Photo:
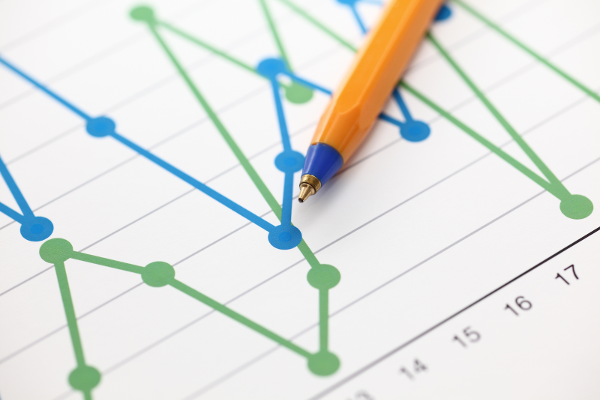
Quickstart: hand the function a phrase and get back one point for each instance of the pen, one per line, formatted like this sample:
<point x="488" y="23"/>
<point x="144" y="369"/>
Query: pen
<point x="365" y="89"/>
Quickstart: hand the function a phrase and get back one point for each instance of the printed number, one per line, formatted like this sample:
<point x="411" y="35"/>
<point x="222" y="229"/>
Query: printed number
<point x="572" y="268"/>
<point x="362" y="395"/>
<point x="417" y="367"/>
<point x="470" y="335"/>
<point x="521" y="303"/>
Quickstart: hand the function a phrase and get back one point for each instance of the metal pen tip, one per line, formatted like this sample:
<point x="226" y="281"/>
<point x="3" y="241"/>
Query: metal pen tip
<point x="306" y="191"/>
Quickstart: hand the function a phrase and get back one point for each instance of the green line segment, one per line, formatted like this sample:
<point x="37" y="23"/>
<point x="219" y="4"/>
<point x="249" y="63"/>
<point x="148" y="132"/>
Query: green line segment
<point x="67" y="301"/>
<point x="572" y="206"/>
<point x="555" y="186"/>
<point x="182" y="287"/>
<point x="274" y="32"/>
<point x="528" y="49"/>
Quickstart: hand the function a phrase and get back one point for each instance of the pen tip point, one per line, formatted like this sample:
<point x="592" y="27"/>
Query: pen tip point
<point x="306" y="191"/>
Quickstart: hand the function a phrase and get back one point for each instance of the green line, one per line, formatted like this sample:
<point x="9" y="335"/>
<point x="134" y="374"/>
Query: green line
<point x="107" y="262"/>
<point x="260" y="185"/>
<point x="214" y="50"/>
<point x="318" y="24"/>
<point x="67" y="300"/>
<point x="554" y="186"/>
<point x="528" y="50"/>
<point x="496" y="150"/>
<point x="237" y="317"/>
<point x="275" y="34"/>
<point x="558" y="189"/>
<point x="256" y="179"/>
<point x="308" y="254"/>
<point x="323" y="319"/>
<point x="207" y="46"/>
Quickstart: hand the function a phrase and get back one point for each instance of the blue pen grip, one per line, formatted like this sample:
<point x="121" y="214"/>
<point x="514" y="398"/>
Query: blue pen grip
<point x="322" y="161"/>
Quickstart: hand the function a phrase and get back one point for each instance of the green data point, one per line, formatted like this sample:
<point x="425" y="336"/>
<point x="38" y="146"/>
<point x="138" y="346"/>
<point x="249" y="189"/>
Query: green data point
<point x="576" y="206"/>
<point x="84" y="378"/>
<point x="323" y="363"/>
<point x="323" y="276"/>
<point x="143" y="13"/>
<point x="56" y="250"/>
<point x="158" y="274"/>
<point x="298" y="94"/>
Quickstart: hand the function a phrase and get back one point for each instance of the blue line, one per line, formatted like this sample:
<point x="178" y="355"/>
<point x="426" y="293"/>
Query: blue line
<point x="14" y="190"/>
<point x="286" y="205"/>
<point x="285" y="136"/>
<point x="402" y="105"/>
<point x="391" y="120"/>
<point x="250" y="216"/>
<point x="357" y="17"/>
<point x="45" y="89"/>
<point x="9" y="212"/>
<point x="168" y="167"/>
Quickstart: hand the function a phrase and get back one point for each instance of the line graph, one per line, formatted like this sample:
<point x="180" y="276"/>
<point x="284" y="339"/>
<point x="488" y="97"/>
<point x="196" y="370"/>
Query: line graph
<point x="284" y="236"/>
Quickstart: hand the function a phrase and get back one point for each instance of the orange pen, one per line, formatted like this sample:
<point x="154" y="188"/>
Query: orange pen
<point x="357" y="103"/>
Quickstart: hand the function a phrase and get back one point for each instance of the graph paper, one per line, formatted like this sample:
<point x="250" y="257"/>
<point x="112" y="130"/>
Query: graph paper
<point x="152" y="246"/>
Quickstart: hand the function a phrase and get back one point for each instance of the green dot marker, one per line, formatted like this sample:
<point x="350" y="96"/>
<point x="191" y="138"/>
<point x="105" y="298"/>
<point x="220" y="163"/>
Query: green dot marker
<point x="56" y="250"/>
<point x="84" y="378"/>
<point x="323" y="276"/>
<point x="576" y="206"/>
<point x="298" y="94"/>
<point x="323" y="363"/>
<point x="158" y="274"/>
<point x="143" y="13"/>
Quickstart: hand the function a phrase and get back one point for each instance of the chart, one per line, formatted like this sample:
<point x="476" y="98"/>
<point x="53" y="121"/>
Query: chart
<point x="153" y="246"/>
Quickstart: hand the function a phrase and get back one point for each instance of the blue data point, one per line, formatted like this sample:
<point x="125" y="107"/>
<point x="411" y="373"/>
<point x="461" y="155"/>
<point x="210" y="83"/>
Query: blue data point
<point x="100" y="126"/>
<point x="444" y="13"/>
<point x="347" y="2"/>
<point x="271" y="67"/>
<point x="285" y="237"/>
<point x="415" y="131"/>
<point x="289" y="161"/>
<point x="36" y="229"/>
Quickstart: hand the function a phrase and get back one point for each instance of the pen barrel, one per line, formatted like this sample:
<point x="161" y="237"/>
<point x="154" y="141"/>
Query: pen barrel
<point x="374" y="74"/>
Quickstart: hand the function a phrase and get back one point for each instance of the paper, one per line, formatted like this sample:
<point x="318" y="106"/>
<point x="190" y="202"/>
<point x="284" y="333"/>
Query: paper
<point x="152" y="246"/>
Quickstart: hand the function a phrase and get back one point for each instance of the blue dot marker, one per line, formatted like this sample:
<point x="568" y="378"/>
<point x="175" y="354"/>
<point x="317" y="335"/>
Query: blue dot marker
<point x="271" y="67"/>
<point x="285" y="237"/>
<point x="100" y="126"/>
<point x="289" y="161"/>
<point x="36" y="229"/>
<point x="414" y="131"/>
<point x="444" y="13"/>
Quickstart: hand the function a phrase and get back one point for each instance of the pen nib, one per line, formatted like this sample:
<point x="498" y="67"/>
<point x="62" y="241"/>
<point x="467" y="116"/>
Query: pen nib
<point x="306" y="191"/>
